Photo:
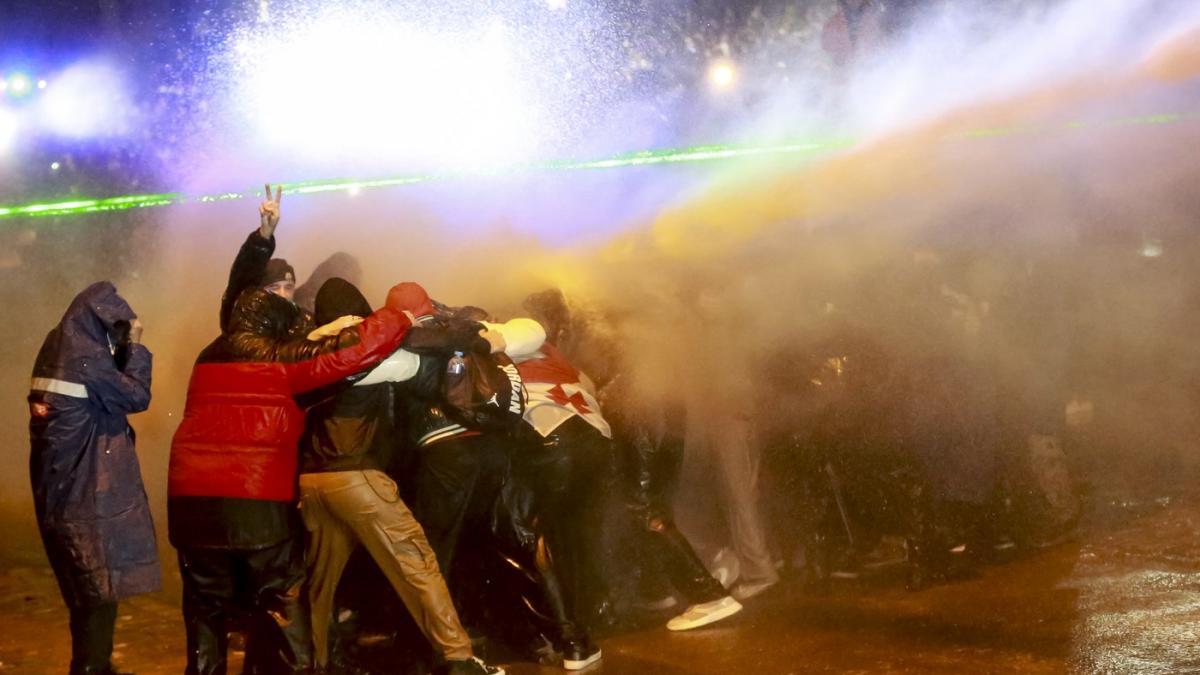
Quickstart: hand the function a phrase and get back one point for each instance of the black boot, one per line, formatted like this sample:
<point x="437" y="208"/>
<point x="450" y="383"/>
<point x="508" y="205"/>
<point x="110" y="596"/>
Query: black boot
<point x="579" y="653"/>
<point x="92" y="638"/>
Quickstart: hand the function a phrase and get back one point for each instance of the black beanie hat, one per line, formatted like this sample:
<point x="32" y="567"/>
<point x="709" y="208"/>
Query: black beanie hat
<point x="277" y="269"/>
<point x="338" y="297"/>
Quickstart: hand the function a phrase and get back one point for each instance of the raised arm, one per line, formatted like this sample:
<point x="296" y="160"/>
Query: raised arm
<point x="378" y="336"/>
<point x="252" y="257"/>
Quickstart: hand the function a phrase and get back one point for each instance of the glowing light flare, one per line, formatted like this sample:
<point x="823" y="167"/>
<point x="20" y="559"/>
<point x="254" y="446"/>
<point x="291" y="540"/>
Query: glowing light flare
<point x="79" y="206"/>
<point x="19" y="84"/>
<point x="384" y="89"/>
<point x="87" y="100"/>
<point x="722" y="74"/>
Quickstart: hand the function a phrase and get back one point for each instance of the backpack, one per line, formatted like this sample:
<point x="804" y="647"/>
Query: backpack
<point x="487" y="395"/>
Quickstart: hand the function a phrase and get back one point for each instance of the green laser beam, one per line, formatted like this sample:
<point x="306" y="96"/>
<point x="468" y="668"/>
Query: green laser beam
<point x="698" y="153"/>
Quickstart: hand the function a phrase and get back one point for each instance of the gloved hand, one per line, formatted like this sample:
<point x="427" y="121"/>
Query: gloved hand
<point x="466" y="337"/>
<point x="334" y="327"/>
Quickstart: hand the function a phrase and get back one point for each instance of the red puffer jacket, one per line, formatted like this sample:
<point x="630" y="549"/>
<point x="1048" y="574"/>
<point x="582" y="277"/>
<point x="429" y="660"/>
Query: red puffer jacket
<point x="241" y="424"/>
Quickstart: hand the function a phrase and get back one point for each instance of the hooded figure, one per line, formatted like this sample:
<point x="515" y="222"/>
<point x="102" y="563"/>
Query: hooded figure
<point x="340" y="265"/>
<point x="87" y="486"/>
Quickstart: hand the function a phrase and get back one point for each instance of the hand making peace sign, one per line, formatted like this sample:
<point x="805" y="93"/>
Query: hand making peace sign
<point x="268" y="211"/>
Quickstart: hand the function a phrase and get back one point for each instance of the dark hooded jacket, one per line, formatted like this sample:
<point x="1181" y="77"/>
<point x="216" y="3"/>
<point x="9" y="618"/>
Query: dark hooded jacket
<point x="233" y="459"/>
<point x="350" y="428"/>
<point x="340" y="265"/>
<point x="87" y="485"/>
<point x="355" y="427"/>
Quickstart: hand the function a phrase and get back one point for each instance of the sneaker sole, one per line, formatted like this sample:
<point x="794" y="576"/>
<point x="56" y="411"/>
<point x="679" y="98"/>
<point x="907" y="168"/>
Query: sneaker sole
<point x="580" y="665"/>
<point x="724" y="613"/>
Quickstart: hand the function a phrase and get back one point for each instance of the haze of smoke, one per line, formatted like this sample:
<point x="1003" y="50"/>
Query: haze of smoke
<point x="1017" y="253"/>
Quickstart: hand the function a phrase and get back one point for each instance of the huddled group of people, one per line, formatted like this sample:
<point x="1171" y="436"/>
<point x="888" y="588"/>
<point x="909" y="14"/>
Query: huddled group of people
<point x="468" y="457"/>
<point x="440" y="481"/>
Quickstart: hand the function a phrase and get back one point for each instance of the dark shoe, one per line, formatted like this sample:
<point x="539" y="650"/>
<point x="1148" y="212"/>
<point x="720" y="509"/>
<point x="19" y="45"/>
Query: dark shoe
<point x="579" y="654"/>
<point x="471" y="666"/>
<point x="542" y="651"/>
<point x="342" y="667"/>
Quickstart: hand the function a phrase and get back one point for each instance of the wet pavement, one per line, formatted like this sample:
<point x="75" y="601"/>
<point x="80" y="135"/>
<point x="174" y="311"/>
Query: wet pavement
<point x="1122" y="599"/>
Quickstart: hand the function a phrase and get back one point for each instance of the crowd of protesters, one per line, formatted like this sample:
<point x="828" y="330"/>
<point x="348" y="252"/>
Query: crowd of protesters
<point x="504" y="495"/>
<point x="821" y="457"/>
<point x="503" y="448"/>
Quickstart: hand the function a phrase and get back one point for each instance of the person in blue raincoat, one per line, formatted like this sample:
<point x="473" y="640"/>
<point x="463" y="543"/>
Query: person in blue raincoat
<point x="91" y="506"/>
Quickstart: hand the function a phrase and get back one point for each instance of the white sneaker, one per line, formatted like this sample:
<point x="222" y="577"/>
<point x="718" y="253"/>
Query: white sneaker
<point x="744" y="591"/>
<point x="705" y="613"/>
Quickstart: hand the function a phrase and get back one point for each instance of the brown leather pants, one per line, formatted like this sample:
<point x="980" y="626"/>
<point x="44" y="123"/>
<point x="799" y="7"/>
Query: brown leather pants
<point x="345" y="508"/>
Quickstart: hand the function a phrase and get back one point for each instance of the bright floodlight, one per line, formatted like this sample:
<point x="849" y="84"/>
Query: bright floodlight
<point x="370" y="87"/>
<point x="41" y="84"/>
<point x="86" y="100"/>
<point x="721" y="74"/>
<point x="18" y="84"/>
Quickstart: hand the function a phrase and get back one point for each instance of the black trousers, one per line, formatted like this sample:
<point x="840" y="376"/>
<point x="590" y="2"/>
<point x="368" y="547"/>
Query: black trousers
<point x="653" y="467"/>
<point x="219" y="584"/>
<point x="554" y="507"/>
<point x="676" y="559"/>
<point x="457" y="484"/>
<point x="92" y="637"/>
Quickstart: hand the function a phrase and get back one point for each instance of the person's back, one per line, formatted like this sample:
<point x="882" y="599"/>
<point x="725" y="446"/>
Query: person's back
<point x="233" y="459"/>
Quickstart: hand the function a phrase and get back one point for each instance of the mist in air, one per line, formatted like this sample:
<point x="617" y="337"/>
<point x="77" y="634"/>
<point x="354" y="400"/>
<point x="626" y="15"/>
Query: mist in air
<point x="1013" y="194"/>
